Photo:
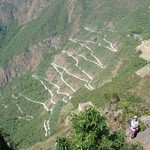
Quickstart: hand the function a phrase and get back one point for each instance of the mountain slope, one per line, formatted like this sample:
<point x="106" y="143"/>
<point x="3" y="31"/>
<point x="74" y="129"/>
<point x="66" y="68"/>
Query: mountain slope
<point x="71" y="51"/>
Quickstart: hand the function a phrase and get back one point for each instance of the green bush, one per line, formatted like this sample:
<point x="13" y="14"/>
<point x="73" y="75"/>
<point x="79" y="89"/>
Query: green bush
<point x="90" y="132"/>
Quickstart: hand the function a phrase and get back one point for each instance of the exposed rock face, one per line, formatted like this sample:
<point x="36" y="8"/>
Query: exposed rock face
<point x="145" y="49"/>
<point x="3" y="77"/>
<point x="29" y="60"/>
<point x="144" y="71"/>
<point x="7" y="14"/>
<point x="143" y="137"/>
<point x="29" y="9"/>
<point x="20" y="64"/>
<point x="145" y="120"/>
<point x="24" y="10"/>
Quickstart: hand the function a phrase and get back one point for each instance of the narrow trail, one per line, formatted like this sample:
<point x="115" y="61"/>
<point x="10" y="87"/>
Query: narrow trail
<point x="111" y="46"/>
<point x="46" y="127"/>
<point x="92" y="30"/>
<point x="36" y="102"/>
<point x="77" y="64"/>
<point x="36" y="77"/>
<point x="91" y="52"/>
<point x="70" y="73"/>
<point x="72" y="40"/>
<point x="89" y="87"/>
<point x="93" y="62"/>
<point x="61" y="76"/>
<point x="19" y="108"/>
<point x="47" y="143"/>
<point x="56" y="86"/>
<point x="17" y="104"/>
<point x="90" y="42"/>
<point x="5" y="106"/>
<point x="81" y="79"/>
<point x="27" y="118"/>
<point x="100" y="64"/>
<point x="14" y="96"/>
<point x="84" y="41"/>
<point x="64" y="100"/>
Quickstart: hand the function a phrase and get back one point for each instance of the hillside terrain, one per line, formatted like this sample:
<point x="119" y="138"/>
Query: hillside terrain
<point x="55" y="54"/>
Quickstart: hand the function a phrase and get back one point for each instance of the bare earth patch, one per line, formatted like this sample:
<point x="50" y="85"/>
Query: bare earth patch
<point x="51" y="73"/>
<point x="114" y="72"/>
<point x="145" y="49"/>
<point x="71" y="5"/>
<point x="144" y="71"/>
<point x="60" y="60"/>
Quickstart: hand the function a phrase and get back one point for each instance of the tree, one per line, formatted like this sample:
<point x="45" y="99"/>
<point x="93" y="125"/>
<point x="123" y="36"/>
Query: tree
<point x="90" y="132"/>
<point x="62" y="143"/>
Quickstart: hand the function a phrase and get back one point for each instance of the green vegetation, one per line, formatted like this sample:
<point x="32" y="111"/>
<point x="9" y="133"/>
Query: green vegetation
<point x="90" y="132"/>
<point x="129" y="110"/>
<point x="117" y="21"/>
<point x="125" y="79"/>
<point x="52" y="22"/>
<point x="2" y="32"/>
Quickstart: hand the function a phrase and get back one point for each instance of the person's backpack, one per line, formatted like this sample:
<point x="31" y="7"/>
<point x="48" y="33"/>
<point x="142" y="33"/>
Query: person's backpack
<point x="129" y="121"/>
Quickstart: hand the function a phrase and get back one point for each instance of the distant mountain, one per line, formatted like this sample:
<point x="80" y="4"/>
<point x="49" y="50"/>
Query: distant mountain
<point x="55" y="54"/>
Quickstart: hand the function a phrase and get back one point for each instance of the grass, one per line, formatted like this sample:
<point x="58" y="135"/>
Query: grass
<point x="32" y="89"/>
<point x="53" y="22"/>
<point x="125" y="79"/>
<point x="49" y="24"/>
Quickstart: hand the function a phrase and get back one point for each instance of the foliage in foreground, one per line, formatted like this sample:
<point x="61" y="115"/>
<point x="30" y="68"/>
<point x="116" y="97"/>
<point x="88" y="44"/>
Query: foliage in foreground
<point x="90" y="132"/>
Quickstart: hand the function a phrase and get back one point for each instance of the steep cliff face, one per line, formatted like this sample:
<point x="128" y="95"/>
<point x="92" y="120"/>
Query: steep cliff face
<point x="23" y="10"/>
<point x="28" y="60"/>
<point x="29" y="10"/>
<point x="20" y="64"/>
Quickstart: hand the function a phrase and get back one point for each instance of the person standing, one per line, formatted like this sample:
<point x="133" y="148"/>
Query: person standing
<point x="134" y="127"/>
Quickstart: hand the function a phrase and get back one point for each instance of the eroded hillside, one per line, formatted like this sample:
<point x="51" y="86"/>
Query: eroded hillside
<point x="22" y="10"/>
<point x="64" y="52"/>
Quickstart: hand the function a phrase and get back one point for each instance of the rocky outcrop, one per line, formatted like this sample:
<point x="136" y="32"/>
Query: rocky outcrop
<point x="20" y="64"/>
<point x="145" y="120"/>
<point x="30" y="9"/>
<point x="3" y="77"/>
<point x="145" y="50"/>
<point x="29" y="60"/>
<point x="143" y="138"/>
<point x="7" y="14"/>
<point x="23" y="10"/>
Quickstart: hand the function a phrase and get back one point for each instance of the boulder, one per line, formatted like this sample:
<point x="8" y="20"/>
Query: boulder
<point x="145" y="120"/>
<point x="144" y="138"/>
